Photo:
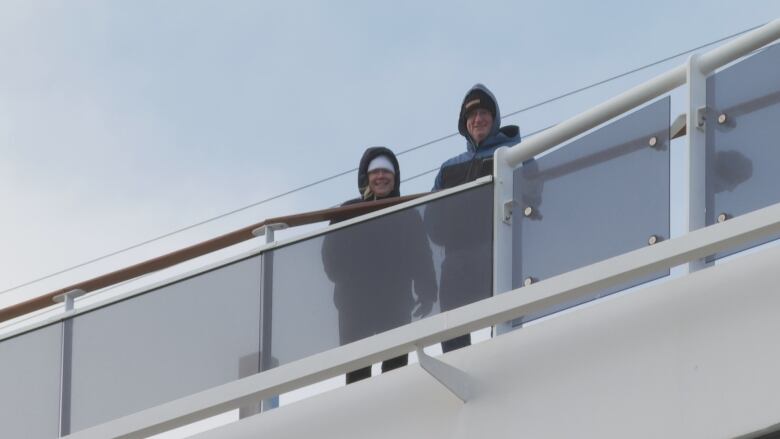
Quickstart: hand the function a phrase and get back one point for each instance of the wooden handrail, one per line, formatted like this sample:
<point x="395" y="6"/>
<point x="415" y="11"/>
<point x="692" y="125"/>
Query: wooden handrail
<point x="200" y="249"/>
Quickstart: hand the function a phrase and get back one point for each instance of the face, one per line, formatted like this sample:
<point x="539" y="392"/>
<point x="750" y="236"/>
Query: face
<point x="478" y="124"/>
<point x="381" y="182"/>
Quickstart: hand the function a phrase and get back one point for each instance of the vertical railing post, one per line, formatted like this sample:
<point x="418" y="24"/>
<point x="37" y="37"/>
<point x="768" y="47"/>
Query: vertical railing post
<point x="503" y="206"/>
<point x="266" y="305"/>
<point x="66" y="360"/>
<point x="695" y="184"/>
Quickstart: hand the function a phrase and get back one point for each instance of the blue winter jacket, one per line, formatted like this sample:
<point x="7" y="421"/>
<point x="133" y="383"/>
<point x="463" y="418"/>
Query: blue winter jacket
<point x="477" y="161"/>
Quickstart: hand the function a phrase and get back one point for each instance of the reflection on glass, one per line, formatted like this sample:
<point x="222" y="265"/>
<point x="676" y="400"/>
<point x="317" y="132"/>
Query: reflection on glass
<point x="165" y="344"/>
<point x="376" y="275"/>
<point x="595" y="198"/>
<point x="743" y="161"/>
<point x="30" y="384"/>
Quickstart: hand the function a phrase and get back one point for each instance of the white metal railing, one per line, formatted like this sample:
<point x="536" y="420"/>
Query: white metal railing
<point x="641" y="94"/>
<point x="690" y="248"/>
<point x="264" y="246"/>
<point x="695" y="71"/>
<point x="537" y="297"/>
<point x="698" y="243"/>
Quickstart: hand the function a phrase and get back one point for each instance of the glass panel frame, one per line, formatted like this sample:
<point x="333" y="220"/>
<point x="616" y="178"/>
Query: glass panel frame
<point x="30" y="372"/>
<point x="599" y="196"/>
<point x="742" y="162"/>
<point x="167" y="343"/>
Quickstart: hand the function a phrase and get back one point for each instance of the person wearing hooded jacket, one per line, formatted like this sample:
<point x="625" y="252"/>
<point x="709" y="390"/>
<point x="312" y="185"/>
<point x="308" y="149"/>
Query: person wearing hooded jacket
<point x="382" y="269"/>
<point x="479" y="122"/>
<point x="466" y="272"/>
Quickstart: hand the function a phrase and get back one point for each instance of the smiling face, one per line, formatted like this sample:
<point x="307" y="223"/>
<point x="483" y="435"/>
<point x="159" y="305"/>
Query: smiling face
<point x="381" y="182"/>
<point x="478" y="124"/>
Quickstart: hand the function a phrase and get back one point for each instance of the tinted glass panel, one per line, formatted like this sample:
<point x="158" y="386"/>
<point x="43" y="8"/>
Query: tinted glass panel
<point x="30" y="384"/>
<point x="594" y="198"/>
<point x="743" y="160"/>
<point x="380" y="274"/>
<point x="168" y="343"/>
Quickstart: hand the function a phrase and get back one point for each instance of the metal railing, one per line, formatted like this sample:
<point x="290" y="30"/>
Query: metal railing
<point x="194" y="251"/>
<point x="68" y="321"/>
<point x="694" y="72"/>
<point x="417" y="335"/>
<point x="506" y="304"/>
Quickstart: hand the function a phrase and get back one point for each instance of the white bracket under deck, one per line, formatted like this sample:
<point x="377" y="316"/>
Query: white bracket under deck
<point x="454" y="379"/>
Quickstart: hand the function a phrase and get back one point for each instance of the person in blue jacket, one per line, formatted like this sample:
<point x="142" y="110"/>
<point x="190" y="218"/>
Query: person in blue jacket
<point x="466" y="272"/>
<point x="480" y="123"/>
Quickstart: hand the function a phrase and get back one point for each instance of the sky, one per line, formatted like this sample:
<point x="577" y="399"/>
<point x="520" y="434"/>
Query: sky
<point x="124" y="121"/>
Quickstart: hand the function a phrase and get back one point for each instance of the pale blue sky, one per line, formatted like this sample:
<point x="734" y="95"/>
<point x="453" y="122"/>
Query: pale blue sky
<point x="122" y="121"/>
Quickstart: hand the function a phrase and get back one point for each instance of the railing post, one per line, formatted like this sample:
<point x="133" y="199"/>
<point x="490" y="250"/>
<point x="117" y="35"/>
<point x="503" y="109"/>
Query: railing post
<point x="268" y="231"/>
<point x="503" y="206"/>
<point x="69" y="298"/>
<point x="695" y="184"/>
<point x="266" y="305"/>
<point x="66" y="359"/>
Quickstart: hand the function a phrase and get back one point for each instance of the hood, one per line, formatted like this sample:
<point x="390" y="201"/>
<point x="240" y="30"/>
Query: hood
<point x="369" y="155"/>
<point x="462" y="117"/>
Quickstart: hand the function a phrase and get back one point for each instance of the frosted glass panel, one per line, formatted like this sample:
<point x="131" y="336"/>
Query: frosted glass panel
<point x="743" y="160"/>
<point x="30" y="384"/>
<point x="171" y="342"/>
<point x="595" y="198"/>
<point x="379" y="274"/>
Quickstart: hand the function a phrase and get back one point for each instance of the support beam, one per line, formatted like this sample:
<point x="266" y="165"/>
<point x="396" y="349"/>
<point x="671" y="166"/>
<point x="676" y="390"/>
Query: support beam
<point x="455" y="380"/>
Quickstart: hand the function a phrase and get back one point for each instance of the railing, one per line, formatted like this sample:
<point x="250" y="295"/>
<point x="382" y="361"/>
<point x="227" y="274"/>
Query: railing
<point x="200" y="249"/>
<point x="237" y="317"/>
<point x="694" y="73"/>
<point x="568" y="287"/>
<point x="572" y="225"/>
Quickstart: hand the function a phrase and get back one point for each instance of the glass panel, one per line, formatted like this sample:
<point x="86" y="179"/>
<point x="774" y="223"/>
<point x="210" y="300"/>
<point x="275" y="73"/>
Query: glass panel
<point x="171" y="342"/>
<point x="30" y="384"/>
<point x="597" y="197"/>
<point x="380" y="274"/>
<point x="743" y="161"/>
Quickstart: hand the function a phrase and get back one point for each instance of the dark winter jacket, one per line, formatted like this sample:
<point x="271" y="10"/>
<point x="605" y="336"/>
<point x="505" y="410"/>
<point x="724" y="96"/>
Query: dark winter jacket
<point x="466" y="272"/>
<point x="477" y="161"/>
<point x="380" y="268"/>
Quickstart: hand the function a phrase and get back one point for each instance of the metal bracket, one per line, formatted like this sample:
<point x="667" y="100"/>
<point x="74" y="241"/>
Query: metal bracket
<point x="701" y="118"/>
<point x="455" y="380"/>
<point x="68" y="298"/>
<point x="268" y="231"/>
<point x="508" y="210"/>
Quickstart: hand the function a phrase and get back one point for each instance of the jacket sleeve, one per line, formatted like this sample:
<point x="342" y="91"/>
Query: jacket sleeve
<point x="334" y="250"/>
<point x="437" y="183"/>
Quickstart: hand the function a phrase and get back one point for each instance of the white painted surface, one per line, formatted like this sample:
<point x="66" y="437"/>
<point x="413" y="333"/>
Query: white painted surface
<point x="696" y="357"/>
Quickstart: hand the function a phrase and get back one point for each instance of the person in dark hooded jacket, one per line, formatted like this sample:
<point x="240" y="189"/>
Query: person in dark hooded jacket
<point x="381" y="268"/>
<point x="466" y="272"/>
<point x="479" y="122"/>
